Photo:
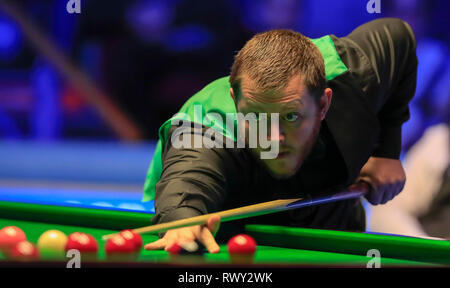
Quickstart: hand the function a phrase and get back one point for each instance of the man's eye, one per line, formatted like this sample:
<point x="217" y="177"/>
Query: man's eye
<point x="291" y="117"/>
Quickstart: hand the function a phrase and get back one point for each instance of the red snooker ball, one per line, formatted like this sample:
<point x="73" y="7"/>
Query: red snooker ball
<point x="187" y="252"/>
<point x="186" y="248"/>
<point x="24" y="251"/>
<point x="175" y="249"/>
<point x="120" y="249"/>
<point x="136" y="238"/>
<point x="241" y="248"/>
<point x="9" y="236"/>
<point x="86" y="244"/>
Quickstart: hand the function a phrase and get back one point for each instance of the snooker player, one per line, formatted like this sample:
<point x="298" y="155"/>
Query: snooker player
<point x="341" y="104"/>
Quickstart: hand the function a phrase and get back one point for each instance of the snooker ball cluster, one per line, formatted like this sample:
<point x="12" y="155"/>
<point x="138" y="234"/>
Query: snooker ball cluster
<point x="51" y="245"/>
<point x="14" y="244"/>
<point x="125" y="246"/>
<point x="9" y="236"/>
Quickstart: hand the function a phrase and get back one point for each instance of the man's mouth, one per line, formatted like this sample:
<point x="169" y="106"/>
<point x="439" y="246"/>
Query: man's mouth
<point x="283" y="154"/>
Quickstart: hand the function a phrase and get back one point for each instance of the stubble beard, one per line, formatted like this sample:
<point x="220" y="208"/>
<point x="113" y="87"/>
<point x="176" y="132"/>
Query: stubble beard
<point x="302" y="157"/>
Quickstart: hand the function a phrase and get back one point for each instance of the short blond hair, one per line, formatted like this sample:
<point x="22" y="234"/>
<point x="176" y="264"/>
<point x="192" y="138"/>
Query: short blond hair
<point x="272" y="58"/>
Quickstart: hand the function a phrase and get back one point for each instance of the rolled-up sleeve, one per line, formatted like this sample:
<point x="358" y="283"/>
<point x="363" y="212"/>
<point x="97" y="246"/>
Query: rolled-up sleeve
<point x="193" y="182"/>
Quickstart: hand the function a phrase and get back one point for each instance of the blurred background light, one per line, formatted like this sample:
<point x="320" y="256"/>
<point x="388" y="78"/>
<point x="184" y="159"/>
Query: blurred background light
<point x="151" y="19"/>
<point x="188" y="38"/>
<point x="262" y="15"/>
<point x="46" y="118"/>
<point x="10" y="39"/>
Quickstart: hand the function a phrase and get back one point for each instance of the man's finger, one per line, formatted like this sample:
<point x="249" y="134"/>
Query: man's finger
<point x="207" y="239"/>
<point x="378" y="195"/>
<point x="375" y="194"/>
<point x="171" y="238"/>
<point x="400" y="187"/>
<point x="157" y="245"/>
<point x="387" y="196"/>
<point x="394" y="190"/>
<point x="185" y="239"/>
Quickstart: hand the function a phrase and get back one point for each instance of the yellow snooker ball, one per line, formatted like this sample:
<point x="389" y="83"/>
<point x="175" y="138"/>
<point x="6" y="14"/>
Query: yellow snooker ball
<point x="52" y="244"/>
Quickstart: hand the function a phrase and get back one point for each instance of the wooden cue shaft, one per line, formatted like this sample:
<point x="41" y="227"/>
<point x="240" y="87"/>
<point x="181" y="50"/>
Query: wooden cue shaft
<point x="227" y="215"/>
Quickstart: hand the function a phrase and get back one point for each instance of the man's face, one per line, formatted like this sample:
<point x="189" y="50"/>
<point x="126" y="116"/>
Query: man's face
<point x="299" y="122"/>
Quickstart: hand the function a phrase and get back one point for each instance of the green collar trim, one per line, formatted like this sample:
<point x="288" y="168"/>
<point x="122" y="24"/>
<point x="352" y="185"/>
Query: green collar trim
<point x="333" y="63"/>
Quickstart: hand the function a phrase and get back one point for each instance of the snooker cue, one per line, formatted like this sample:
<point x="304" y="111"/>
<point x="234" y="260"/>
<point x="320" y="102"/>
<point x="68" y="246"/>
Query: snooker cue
<point x="353" y="191"/>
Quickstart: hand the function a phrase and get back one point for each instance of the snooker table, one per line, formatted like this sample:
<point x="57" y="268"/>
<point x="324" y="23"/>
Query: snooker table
<point x="277" y="246"/>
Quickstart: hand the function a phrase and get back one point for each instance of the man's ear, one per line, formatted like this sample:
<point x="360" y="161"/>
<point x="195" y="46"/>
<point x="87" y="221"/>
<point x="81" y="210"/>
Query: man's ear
<point x="325" y="102"/>
<point x="232" y="94"/>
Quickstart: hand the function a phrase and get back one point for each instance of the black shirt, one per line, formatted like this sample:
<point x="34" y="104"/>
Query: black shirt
<point x="226" y="178"/>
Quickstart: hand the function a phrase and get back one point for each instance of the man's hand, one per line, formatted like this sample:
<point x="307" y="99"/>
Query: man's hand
<point x="204" y="234"/>
<point x="386" y="176"/>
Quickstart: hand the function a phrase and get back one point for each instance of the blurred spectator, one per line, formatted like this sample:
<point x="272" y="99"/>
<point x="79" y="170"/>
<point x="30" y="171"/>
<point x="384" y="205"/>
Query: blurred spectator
<point x="422" y="209"/>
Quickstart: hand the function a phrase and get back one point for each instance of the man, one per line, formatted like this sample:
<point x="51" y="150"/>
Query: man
<point x="341" y="103"/>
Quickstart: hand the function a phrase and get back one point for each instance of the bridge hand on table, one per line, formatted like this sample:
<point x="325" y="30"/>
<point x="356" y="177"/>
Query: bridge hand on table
<point x="202" y="233"/>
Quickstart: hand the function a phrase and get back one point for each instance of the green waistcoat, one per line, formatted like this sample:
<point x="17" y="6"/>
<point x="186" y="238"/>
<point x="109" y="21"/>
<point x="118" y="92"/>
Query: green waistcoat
<point x="215" y="98"/>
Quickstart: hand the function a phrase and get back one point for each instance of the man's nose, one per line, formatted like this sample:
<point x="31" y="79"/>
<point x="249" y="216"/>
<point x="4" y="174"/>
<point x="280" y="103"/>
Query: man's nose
<point x="276" y="133"/>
